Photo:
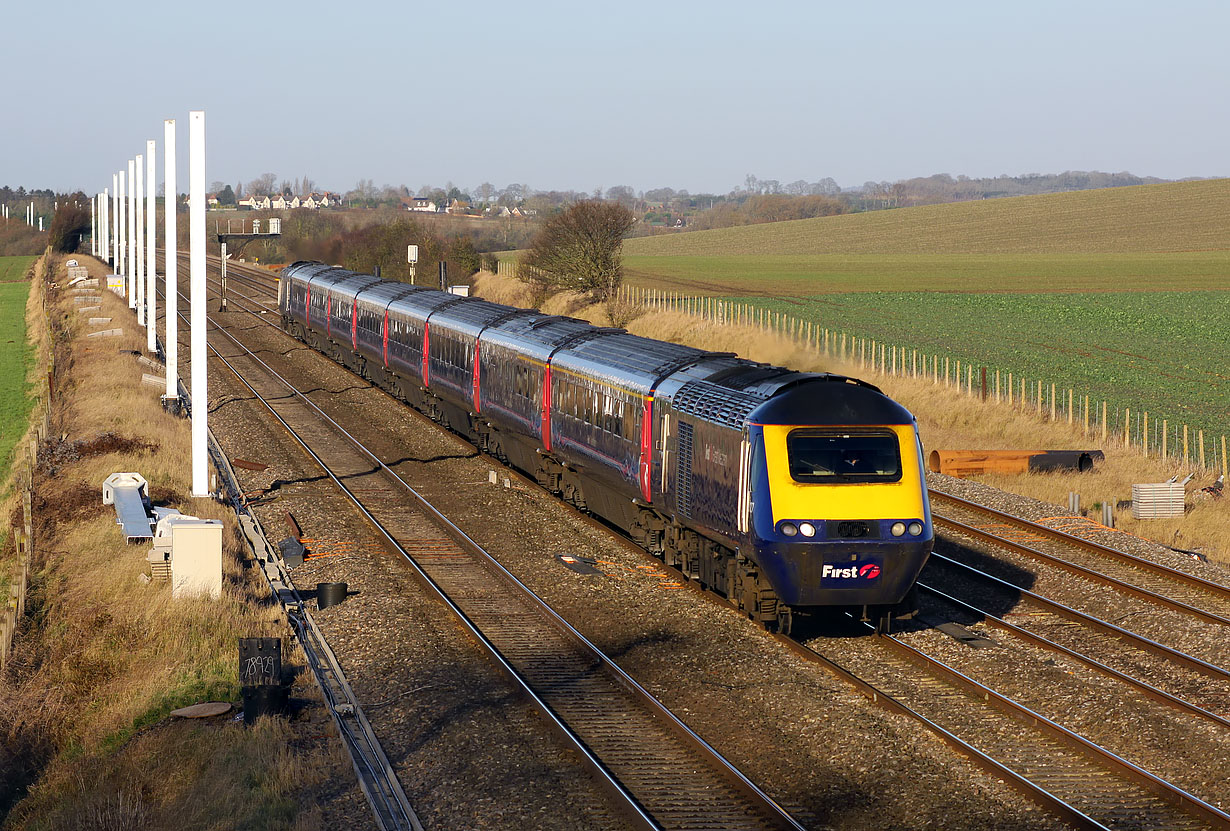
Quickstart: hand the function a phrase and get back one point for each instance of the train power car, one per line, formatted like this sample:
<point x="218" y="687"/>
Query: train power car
<point x="783" y="491"/>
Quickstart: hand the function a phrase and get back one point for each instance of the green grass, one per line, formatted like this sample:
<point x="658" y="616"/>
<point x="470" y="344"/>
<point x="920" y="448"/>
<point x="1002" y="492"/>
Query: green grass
<point x="14" y="268"/>
<point x="15" y="357"/>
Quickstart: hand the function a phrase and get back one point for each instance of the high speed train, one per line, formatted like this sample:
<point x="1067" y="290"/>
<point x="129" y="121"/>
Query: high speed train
<point x="780" y="490"/>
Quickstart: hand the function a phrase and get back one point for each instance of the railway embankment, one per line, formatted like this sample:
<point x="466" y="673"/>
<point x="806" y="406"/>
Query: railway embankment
<point x="101" y="654"/>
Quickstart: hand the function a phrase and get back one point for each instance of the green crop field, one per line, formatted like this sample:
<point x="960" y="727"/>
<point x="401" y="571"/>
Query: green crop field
<point x="14" y="268"/>
<point x="15" y="356"/>
<point x="1122" y="294"/>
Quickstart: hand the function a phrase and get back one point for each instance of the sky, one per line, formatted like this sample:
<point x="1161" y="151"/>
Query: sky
<point x="578" y="96"/>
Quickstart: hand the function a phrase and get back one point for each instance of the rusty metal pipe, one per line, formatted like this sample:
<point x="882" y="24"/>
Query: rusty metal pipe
<point x="970" y="462"/>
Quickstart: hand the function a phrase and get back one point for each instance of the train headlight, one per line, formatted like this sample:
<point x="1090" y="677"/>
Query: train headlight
<point x="789" y="529"/>
<point x="807" y="529"/>
<point x="898" y="529"/>
<point x="916" y="528"/>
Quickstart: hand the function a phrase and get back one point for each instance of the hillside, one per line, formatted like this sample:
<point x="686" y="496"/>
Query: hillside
<point x="1174" y="217"/>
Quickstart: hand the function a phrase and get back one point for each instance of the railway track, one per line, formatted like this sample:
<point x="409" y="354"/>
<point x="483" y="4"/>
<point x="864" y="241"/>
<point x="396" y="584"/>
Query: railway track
<point x="631" y="741"/>
<point x="1078" y="780"/>
<point x="1086" y="784"/>
<point x="1177" y="590"/>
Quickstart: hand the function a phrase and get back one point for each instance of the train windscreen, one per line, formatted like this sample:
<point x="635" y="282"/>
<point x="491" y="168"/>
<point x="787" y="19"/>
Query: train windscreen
<point x="832" y="456"/>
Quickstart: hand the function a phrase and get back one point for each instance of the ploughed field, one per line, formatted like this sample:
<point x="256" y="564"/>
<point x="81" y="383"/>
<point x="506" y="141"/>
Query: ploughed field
<point x="1121" y="294"/>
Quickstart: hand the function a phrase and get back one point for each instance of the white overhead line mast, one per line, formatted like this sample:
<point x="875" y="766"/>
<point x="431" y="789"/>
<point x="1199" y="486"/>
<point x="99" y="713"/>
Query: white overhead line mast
<point x="196" y="259"/>
<point x="170" y="201"/>
<point x="151" y="276"/>
<point x="138" y="194"/>
<point x="115" y="223"/>
<point x="130" y="244"/>
<point x="93" y="231"/>
<point x="122" y="231"/>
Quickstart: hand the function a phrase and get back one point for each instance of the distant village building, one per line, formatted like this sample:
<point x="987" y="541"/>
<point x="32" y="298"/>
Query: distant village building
<point x="423" y="205"/>
<point x="281" y="201"/>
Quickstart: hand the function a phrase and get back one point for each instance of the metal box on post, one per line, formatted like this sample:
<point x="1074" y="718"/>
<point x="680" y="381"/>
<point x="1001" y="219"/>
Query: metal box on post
<point x="196" y="558"/>
<point x="260" y="678"/>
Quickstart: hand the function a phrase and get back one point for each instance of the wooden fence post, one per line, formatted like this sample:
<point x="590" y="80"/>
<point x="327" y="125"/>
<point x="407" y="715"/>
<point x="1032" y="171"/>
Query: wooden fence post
<point x="1186" y="456"/>
<point x="1200" y="446"/>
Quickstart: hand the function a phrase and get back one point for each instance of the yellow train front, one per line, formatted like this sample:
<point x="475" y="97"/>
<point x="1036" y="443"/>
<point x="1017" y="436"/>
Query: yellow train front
<point x="840" y="515"/>
<point x="815" y="481"/>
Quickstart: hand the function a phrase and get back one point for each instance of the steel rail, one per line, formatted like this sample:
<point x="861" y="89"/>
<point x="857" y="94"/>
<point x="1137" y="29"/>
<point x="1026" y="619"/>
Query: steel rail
<point x="780" y="817"/>
<point x="1164" y="790"/>
<point x="1083" y="571"/>
<point x="1149" y="691"/>
<point x="1158" y="569"/>
<point x="1061" y="610"/>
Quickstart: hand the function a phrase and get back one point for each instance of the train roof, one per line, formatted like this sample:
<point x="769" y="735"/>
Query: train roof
<point x="831" y="400"/>
<point x="385" y="292"/>
<point x="351" y="285"/>
<point x="539" y="335"/>
<point x="628" y="361"/>
<point x="473" y="316"/>
<point x="419" y="305"/>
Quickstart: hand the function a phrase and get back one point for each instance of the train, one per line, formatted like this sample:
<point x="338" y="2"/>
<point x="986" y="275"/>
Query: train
<point x="783" y="491"/>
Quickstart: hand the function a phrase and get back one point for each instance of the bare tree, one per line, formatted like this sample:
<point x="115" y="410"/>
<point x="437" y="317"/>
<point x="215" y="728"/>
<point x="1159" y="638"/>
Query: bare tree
<point x="263" y="185"/>
<point x="578" y="250"/>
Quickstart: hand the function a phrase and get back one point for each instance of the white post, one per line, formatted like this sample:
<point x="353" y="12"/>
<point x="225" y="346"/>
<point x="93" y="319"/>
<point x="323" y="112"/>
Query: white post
<point x="130" y="234"/>
<point x="196" y="260"/>
<point x="115" y="222"/>
<point x="106" y="224"/>
<point x="151" y="275"/>
<point x="171" y="305"/>
<point x="93" y="232"/>
<point x="138" y="195"/>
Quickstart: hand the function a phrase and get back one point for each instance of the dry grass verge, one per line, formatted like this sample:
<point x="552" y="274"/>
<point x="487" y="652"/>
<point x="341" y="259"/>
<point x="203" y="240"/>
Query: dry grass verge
<point x="947" y="419"/>
<point x="105" y="655"/>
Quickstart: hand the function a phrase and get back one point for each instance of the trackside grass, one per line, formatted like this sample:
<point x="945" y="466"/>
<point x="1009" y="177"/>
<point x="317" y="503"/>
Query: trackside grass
<point x="103" y="654"/>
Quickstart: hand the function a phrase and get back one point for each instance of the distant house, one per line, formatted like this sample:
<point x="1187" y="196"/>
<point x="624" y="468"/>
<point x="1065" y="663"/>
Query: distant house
<point x="458" y="207"/>
<point x="211" y="200"/>
<point x="278" y="202"/>
<point x="255" y="203"/>
<point x="294" y="202"/>
<point x="328" y="199"/>
<point x="499" y="211"/>
<point x="423" y="205"/>
<point x="309" y="202"/>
